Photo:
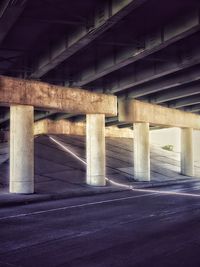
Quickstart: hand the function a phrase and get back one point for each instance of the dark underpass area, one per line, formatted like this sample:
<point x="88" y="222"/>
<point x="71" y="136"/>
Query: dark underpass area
<point x="62" y="171"/>
<point x="104" y="230"/>
<point x="156" y="224"/>
<point x="99" y="133"/>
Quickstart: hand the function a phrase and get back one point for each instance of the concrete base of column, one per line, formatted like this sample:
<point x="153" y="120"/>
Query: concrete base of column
<point x="187" y="157"/>
<point x="95" y="146"/>
<point x="21" y="149"/>
<point x="141" y="152"/>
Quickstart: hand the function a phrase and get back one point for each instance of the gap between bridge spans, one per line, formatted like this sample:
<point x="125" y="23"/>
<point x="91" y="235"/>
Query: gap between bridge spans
<point x="128" y="187"/>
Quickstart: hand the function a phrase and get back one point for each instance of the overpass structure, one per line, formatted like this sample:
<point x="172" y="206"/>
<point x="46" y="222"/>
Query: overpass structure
<point x="125" y="63"/>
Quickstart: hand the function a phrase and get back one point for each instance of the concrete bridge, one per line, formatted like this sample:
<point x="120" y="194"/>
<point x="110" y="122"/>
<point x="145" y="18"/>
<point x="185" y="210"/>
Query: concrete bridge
<point x="83" y="74"/>
<point x="88" y="72"/>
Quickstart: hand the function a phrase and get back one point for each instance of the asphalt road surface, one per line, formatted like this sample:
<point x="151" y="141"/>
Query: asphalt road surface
<point x="130" y="228"/>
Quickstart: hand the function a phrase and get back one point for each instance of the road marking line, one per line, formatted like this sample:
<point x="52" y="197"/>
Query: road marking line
<point x="82" y="161"/>
<point x="130" y="187"/>
<point x="75" y="206"/>
<point x="166" y="192"/>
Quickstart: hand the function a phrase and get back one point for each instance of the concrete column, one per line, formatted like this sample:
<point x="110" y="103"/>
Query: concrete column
<point x="187" y="157"/>
<point x="95" y="146"/>
<point x="141" y="151"/>
<point x="21" y="149"/>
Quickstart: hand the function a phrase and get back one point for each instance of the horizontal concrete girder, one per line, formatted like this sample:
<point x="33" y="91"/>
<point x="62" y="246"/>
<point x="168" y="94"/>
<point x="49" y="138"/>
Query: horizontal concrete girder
<point x="51" y="97"/>
<point x="59" y="127"/>
<point x="75" y="128"/>
<point x="138" y="111"/>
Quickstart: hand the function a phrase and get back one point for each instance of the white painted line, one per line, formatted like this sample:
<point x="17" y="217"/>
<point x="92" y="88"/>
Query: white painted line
<point x="67" y="149"/>
<point x="74" y="206"/>
<point x="166" y="192"/>
<point x="85" y="163"/>
<point x="124" y="185"/>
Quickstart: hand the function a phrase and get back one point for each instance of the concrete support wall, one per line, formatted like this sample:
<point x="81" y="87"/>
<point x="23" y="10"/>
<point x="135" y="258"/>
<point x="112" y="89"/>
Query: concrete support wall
<point x="95" y="146"/>
<point x="66" y="127"/>
<point x="187" y="157"/>
<point x="21" y="149"/>
<point x="141" y="151"/>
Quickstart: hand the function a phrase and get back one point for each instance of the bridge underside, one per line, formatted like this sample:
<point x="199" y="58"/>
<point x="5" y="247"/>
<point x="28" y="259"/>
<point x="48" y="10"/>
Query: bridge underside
<point x="100" y="101"/>
<point x="76" y="44"/>
<point x="64" y="65"/>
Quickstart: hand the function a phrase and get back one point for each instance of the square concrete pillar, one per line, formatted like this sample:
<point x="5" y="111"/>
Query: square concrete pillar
<point x="187" y="153"/>
<point x="141" y="151"/>
<point x="21" y="149"/>
<point x="95" y="146"/>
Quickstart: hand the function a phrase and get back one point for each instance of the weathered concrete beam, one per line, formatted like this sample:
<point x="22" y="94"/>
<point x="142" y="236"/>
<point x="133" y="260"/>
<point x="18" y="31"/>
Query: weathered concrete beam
<point x="52" y="97"/>
<point x="112" y="12"/>
<point x="75" y="128"/>
<point x="177" y="93"/>
<point x="168" y="82"/>
<point x="114" y="131"/>
<point x="37" y="116"/>
<point x="59" y="127"/>
<point x="185" y="25"/>
<point x="137" y="111"/>
<point x="147" y="71"/>
<point x="187" y="101"/>
<point x="145" y="79"/>
<point x="193" y="108"/>
<point x="9" y="14"/>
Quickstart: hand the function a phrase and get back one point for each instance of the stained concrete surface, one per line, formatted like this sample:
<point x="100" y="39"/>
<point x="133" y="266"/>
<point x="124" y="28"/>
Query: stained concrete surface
<point x="56" y="171"/>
